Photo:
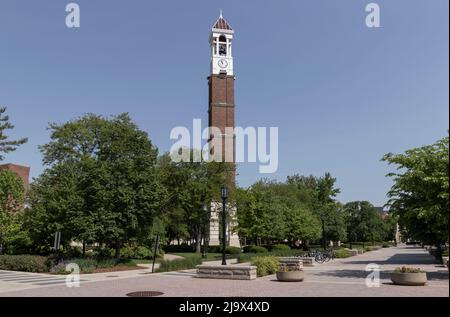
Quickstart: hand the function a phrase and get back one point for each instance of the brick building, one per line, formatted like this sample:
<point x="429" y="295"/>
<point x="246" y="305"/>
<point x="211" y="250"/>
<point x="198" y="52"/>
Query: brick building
<point x="22" y="171"/>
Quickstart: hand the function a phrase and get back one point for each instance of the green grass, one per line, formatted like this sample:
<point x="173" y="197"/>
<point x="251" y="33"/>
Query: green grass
<point x="186" y="263"/>
<point x="209" y="256"/>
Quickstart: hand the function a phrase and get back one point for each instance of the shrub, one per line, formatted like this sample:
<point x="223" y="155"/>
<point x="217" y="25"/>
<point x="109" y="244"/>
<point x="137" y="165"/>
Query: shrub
<point x="174" y="248"/>
<point x="25" y="263"/>
<point x="247" y="257"/>
<point x="266" y="265"/>
<point x="136" y="252"/>
<point x="342" y="253"/>
<point x="214" y="249"/>
<point x="232" y="250"/>
<point x="73" y="252"/>
<point x="280" y="247"/>
<point x="88" y="265"/>
<point x="179" y="264"/>
<point x="103" y="252"/>
<point x="254" y="249"/>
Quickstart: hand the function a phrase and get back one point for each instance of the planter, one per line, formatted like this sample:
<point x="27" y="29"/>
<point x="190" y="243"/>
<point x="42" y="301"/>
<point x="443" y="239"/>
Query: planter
<point x="412" y="279"/>
<point x="291" y="276"/>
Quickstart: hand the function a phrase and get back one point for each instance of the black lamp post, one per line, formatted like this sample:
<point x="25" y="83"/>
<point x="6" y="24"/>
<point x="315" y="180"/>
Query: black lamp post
<point x="224" y="195"/>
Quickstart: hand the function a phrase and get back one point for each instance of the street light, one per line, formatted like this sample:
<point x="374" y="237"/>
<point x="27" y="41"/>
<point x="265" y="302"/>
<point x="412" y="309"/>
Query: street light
<point x="224" y="195"/>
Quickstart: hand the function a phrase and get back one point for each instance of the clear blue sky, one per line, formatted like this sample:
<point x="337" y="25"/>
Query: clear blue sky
<point x="341" y="94"/>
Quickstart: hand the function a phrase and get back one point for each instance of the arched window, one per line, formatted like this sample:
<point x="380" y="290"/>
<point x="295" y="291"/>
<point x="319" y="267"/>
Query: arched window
<point x="222" y="45"/>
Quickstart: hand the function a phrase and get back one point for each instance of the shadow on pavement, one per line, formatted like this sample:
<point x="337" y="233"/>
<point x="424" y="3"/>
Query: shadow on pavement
<point x="402" y="259"/>
<point x="440" y="275"/>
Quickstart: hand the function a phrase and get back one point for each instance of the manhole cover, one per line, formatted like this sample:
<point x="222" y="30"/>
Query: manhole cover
<point x="112" y="276"/>
<point x="145" y="294"/>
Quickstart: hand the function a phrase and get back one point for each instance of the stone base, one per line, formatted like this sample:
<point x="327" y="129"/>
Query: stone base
<point x="291" y="263"/>
<point x="307" y="261"/>
<point x="353" y="252"/>
<point x="229" y="272"/>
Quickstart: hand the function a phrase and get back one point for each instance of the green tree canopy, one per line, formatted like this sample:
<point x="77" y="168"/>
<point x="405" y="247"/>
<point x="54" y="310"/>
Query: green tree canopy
<point x="420" y="194"/>
<point x="101" y="182"/>
<point x="193" y="187"/>
<point x="12" y="200"/>
<point x="7" y="145"/>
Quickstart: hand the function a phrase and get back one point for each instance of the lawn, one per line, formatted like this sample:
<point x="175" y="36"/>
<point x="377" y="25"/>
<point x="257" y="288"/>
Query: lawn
<point x="209" y="256"/>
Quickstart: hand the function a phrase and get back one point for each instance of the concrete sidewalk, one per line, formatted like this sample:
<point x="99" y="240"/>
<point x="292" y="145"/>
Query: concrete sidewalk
<point x="342" y="277"/>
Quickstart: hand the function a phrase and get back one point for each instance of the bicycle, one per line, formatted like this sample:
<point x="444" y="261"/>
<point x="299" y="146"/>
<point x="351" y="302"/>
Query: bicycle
<point x="328" y="255"/>
<point x="316" y="254"/>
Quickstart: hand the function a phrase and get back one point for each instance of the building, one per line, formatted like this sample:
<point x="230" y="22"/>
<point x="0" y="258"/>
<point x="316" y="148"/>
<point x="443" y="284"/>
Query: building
<point x="22" y="171"/>
<point x="221" y="116"/>
<point x="382" y="211"/>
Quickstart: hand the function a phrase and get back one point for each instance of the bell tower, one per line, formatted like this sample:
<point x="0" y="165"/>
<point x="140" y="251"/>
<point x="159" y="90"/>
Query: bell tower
<point x="221" y="119"/>
<point x="221" y="93"/>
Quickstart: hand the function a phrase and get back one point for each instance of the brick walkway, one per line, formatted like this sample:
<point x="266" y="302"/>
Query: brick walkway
<point x="344" y="277"/>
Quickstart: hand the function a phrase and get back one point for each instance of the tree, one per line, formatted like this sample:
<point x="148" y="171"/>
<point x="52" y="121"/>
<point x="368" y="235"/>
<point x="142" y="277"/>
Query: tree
<point x="420" y="194"/>
<point x="11" y="204"/>
<point x="193" y="187"/>
<point x="275" y="211"/>
<point x="101" y="182"/>
<point x="320" y="194"/>
<point x="7" y="145"/>
<point x="363" y="222"/>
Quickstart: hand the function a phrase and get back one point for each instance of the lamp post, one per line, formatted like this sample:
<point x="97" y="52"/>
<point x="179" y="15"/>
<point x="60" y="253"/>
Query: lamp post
<point x="224" y="195"/>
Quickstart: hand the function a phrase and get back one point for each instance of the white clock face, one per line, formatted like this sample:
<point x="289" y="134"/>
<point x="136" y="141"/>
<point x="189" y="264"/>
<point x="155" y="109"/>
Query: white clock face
<point x="223" y="63"/>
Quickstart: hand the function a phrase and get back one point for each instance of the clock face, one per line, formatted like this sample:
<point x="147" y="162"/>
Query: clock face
<point x="223" y="63"/>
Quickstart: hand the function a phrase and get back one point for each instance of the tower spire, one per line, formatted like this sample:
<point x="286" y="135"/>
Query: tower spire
<point x="221" y="15"/>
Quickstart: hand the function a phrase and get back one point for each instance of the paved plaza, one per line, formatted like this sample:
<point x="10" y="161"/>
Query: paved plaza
<point x="341" y="277"/>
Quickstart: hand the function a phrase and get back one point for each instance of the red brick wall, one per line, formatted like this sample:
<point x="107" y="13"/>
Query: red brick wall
<point x="221" y="108"/>
<point x="22" y="171"/>
<point x="221" y="101"/>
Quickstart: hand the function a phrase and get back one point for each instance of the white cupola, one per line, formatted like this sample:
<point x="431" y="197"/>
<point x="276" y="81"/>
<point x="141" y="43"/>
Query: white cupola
<point x="220" y="40"/>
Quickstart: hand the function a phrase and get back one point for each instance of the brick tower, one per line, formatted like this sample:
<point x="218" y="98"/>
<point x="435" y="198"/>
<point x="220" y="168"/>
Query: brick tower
<point x="221" y="117"/>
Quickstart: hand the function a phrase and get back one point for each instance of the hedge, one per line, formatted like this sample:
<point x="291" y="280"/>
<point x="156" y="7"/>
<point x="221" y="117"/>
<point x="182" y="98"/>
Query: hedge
<point x="179" y="264"/>
<point x="254" y="249"/>
<point x="232" y="250"/>
<point x="341" y="253"/>
<point x="138" y="252"/>
<point x="280" y="247"/>
<point x="175" y="248"/>
<point x="247" y="257"/>
<point x="266" y="265"/>
<point x="25" y="263"/>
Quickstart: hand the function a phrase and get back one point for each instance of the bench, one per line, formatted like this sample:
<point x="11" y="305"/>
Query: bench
<point x="230" y="272"/>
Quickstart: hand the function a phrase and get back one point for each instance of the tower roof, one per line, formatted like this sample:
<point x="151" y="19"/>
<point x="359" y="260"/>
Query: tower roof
<point x="222" y="24"/>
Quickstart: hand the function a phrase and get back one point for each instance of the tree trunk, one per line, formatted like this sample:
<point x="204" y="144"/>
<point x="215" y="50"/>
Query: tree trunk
<point x="439" y="252"/>
<point x="324" y="241"/>
<point x="117" y="255"/>
<point x="198" y="242"/>
<point x="84" y="248"/>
